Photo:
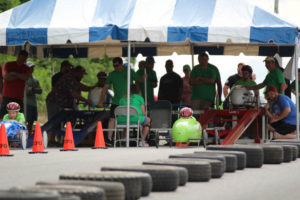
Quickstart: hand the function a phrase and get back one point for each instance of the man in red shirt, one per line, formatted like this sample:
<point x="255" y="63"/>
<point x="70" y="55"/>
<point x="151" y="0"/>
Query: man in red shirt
<point x="15" y="75"/>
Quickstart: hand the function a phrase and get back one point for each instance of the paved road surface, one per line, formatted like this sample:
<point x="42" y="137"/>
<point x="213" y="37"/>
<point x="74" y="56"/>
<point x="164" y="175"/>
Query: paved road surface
<point x="276" y="182"/>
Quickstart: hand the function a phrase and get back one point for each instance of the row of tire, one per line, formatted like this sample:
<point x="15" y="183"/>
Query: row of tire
<point x="132" y="182"/>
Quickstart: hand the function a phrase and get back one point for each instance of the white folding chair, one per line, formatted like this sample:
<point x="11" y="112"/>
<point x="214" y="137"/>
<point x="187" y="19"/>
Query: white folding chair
<point x="122" y="111"/>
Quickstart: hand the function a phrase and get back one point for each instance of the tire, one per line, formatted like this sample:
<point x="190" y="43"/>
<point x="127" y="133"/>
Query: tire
<point x="85" y="193"/>
<point x="288" y="143"/>
<point x="287" y="151"/>
<point x="45" y="139"/>
<point x="196" y="156"/>
<point x="69" y="197"/>
<point x="113" y="190"/>
<point x="131" y="181"/>
<point x="197" y="170"/>
<point x="23" y="138"/>
<point x="255" y="154"/>
<point x="217" y="166"/>
<point x="231" y="160"/>
<point x="164" y="178"/>
<point x="16" y="194"/>
<point x="272" y="154"/>
<point x="241" y="157"/>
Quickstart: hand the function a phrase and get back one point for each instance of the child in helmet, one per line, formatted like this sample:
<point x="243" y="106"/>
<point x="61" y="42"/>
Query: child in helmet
<point x="13" y="109"/>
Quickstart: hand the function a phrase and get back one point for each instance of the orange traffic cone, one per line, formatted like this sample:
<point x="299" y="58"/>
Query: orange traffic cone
<point x="38" y="144"/>
<point x="69" y="140"/>
<point x="4" y="147"/>
<point x="99" y="140"/>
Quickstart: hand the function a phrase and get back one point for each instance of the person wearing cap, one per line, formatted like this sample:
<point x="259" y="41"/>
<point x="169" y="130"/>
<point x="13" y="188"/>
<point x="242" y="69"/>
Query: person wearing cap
<point x="102" y="76"/>
<point x="203" y="79"/>
<point x="32" y="88"/>
<point x="15" y="75"/>
<point x="233" y="79"/>
<point x="65" y="67"/>
<point x="246" y="78"/>
<point x="151" y="79"/>
<point x="274" y="77"/>
<point x="293" y="87"/>
<point x="170" y="85"/>
<point x="118" y="80"/>
<point x="281" y="112"/>
<point x="186" y="87"/>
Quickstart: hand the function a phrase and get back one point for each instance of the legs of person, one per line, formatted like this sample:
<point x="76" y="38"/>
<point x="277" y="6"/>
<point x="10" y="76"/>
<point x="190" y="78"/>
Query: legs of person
<point x="287" y="136"/>
<point x="52" y="110"/>
<point x="145" y="129"/>
<point x="111" y="124"/>
<point x="31" y="117"/>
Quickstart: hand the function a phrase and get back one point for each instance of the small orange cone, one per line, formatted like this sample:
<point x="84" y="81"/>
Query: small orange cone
<point x="4" y="147"/>
<point x="38" y="144"/>
<point x="69" y="140"/>
<point x="99" y="140"/>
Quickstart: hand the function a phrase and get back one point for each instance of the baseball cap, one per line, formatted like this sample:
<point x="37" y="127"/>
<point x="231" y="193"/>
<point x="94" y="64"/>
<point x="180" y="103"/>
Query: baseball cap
<point x="102" y="75"/>
<point x="271" y="89"/>
<point x="269" y="58"/>
<point x="186" y="67"/>
<point x="29" y="64"/>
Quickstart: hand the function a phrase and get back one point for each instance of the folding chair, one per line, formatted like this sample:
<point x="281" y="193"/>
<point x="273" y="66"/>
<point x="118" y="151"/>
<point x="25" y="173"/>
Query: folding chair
<point x="161" y="120"/>
<point x="122" y="111"/>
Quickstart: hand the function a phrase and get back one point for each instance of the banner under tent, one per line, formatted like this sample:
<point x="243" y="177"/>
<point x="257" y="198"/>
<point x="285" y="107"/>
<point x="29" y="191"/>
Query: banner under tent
<point x="94" y="28"/>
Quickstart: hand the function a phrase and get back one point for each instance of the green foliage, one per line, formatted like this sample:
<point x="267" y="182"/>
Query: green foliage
<point x="8" y="4"/>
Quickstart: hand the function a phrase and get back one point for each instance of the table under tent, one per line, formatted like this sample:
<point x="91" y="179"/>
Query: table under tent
<point x="94" y="28"/>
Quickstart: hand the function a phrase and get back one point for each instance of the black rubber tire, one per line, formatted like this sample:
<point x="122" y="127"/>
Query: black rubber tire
<point x="69" y="197"/>
<point x="217" y="166"/>
<point x="287" y="151"/>
<point x="197" y="170"/>
<point x="255" y="154"/>
<point x="202" y="156"/>
<point x="113" y="190"/>
<point x="131" y="181"/>
<point x="289" y="143"/>
<point x="164" y="178"/>
<point x="272" y="154"/>
<point x="85" y="193"/>
<point x="231" y="159"/>
<point x="241" y="157"/>
<point x="16" y="194"/>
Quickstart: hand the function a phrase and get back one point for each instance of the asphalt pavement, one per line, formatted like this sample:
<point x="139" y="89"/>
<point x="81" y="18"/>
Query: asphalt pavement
<point x="276" y="182"/>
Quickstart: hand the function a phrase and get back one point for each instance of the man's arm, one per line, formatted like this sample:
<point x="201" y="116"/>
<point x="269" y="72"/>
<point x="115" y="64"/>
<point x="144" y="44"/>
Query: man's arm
<point x="256" y="87"/>
<point x="22" y="76"/>
<point x="77" y="95"/>
<point x="225" y="90"/>
<point x="283" y="86"/>
<point x="103" y="93"/>
<point x="85" y="87"/>
<point x="282" y="115"/>
<point x="219" y="88"/>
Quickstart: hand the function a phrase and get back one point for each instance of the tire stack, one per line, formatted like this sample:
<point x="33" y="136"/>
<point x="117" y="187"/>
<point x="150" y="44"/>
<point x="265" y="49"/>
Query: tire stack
<point x="133" y="182"/>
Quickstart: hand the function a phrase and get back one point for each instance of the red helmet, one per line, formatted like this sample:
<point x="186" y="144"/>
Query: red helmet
<point x="186" y="112"/>
<point x="13" y="106"/>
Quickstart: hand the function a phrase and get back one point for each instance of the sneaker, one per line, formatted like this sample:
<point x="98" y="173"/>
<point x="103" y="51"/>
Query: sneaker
<point x="143" y="144"/>
<point x="109" y="143"/>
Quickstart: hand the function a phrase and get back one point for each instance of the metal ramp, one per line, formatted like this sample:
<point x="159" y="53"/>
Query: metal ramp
<point x="243" y="120"/>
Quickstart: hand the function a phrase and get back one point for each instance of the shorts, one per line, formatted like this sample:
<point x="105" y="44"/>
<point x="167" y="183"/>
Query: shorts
<point x="31" y="113"/>
<point x="283" y="128"/>
<point x="144" y="122"/>
<point x="112" y="110"/>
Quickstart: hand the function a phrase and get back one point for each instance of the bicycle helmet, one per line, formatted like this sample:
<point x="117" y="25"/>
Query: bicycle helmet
<point x="186" y="112"/>
<point x="13" y="106"/>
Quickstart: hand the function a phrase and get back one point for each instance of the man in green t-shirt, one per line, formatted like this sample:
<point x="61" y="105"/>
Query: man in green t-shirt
<point x="151" y="79"/>
<point x="203" y="79"/>
<point x="118" y="80"/>
<point x="274" y="77"/>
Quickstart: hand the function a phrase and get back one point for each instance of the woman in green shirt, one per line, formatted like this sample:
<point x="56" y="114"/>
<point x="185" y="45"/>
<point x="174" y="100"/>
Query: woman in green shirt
<point x="137" y="101"/>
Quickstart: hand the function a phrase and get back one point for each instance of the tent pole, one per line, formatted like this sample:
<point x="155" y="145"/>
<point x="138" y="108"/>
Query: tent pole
<point x="145" y="92"/>
<point x="296" y="53"/>
<point x="51" y="60"/>
<point x="192" y="53"/>
<point x="128" y="96"/>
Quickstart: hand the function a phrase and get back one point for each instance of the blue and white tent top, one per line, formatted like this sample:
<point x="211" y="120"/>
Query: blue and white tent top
<point x="55" y="22"/>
